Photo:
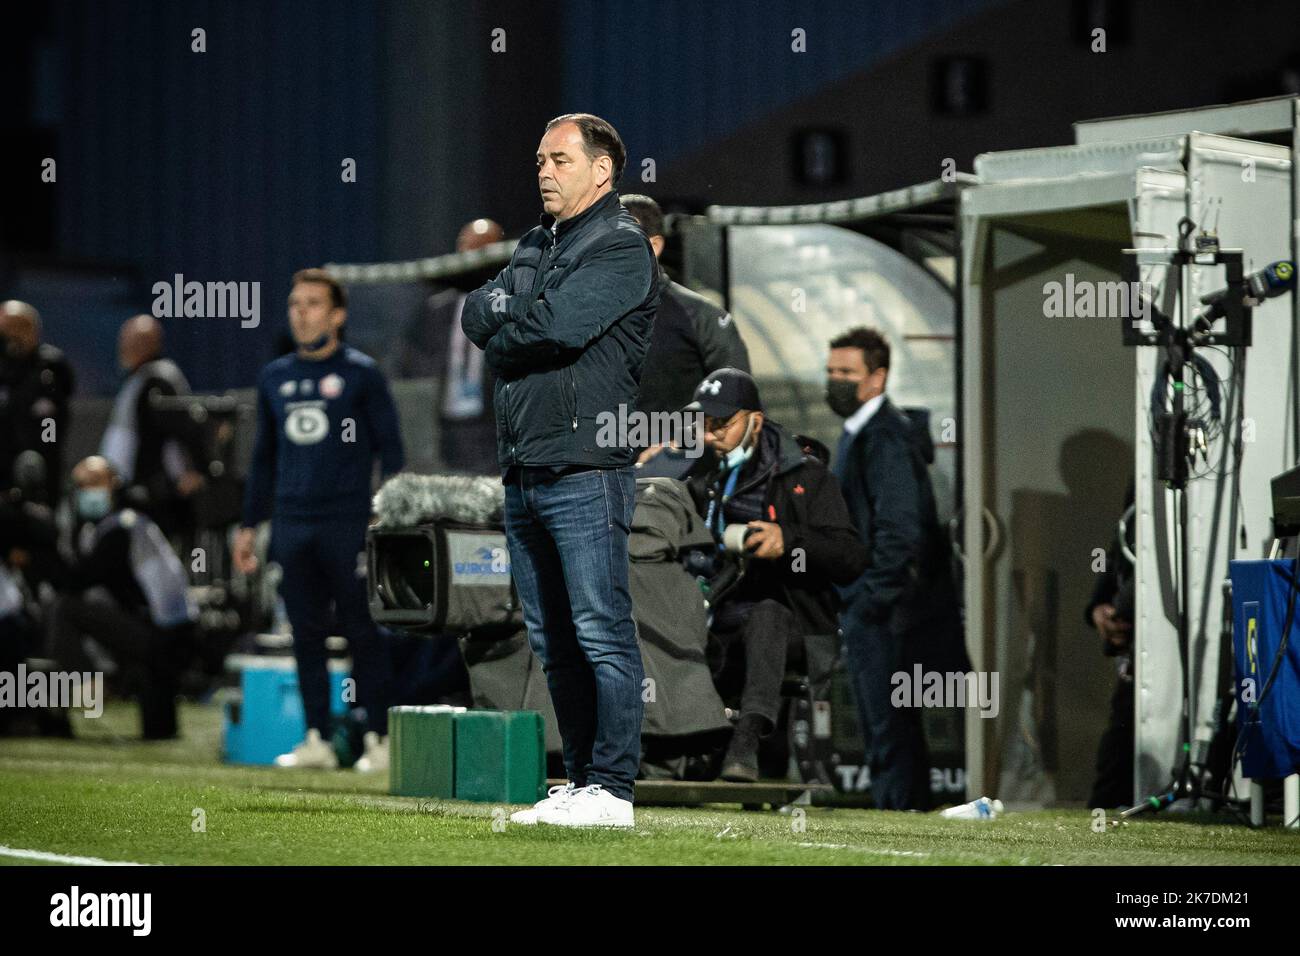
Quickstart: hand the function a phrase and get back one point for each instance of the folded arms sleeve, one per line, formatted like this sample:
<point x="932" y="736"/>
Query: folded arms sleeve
<point x="600" y="291"/>
<point x="481" y="315"/>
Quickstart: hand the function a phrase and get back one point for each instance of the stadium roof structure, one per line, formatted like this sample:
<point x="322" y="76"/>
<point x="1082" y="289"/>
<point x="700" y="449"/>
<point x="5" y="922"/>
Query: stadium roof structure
<point x="846" y="212"/>
<point x="937" y="196"/>
<point x="430" y="268"/>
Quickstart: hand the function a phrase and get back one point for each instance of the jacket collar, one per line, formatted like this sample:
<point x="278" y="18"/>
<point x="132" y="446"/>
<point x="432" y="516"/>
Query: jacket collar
<point x="887" y="411"/>
<point x="777" y="453"/>
<point x="599" y="208"/>
<point x="862" y="417"/>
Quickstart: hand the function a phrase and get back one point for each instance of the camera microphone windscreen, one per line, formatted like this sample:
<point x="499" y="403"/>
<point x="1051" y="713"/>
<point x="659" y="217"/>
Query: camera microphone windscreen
<point x="1272" y="280"/>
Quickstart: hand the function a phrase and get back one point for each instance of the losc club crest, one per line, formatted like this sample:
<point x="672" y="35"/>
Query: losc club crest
<point x="331" y="386"/>
<point x="306" y="425"/>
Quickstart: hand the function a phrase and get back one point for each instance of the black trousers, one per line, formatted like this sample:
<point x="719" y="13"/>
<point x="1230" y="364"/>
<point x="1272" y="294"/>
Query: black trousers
<point x="894" y="737"/>
<point x="1113" y="785"/>
<point x="150" y="658"/>
<point x="763" y="630"/>
<point x="319" y="562"/>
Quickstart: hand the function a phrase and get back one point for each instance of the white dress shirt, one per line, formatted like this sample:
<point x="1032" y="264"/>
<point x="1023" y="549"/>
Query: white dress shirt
<point x="853" y="424"/>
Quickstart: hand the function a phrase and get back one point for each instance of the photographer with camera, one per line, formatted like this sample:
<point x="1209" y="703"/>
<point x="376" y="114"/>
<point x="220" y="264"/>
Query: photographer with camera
<point x="784" y="539"/>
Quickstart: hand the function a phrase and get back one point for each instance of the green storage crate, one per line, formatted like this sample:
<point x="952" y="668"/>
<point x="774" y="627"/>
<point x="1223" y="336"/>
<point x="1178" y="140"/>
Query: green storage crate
<point x="500" y="756"/>
<point x="422" y="751"/>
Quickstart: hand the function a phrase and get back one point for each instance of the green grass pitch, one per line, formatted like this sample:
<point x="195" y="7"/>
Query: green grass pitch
<point x="108" y="796"/>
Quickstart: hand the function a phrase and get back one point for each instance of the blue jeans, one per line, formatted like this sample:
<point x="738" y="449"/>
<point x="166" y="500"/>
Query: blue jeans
<point x="568" y="555"/>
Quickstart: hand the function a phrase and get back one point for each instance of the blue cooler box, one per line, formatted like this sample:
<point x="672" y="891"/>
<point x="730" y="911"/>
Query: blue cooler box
<point x="267" y="718"/>
<point x="1270" y="736"/>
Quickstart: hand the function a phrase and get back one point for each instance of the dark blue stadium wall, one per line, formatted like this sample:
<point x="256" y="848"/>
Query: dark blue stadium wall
<point x="223" y="165"/>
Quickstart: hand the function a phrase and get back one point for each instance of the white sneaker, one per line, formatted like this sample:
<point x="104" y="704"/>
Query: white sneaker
<point x="592" y="806"/>
<point x="312" y="754"/>
<point x="555" y="797"/>
<point x="375" y="757"/>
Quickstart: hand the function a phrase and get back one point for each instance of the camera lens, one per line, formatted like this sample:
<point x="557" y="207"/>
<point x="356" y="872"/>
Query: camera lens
<point x="733" y="538"/>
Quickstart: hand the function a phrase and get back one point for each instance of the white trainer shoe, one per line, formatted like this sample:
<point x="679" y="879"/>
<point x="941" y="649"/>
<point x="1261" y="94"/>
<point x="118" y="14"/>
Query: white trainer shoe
<point x="592" y="806"/>
<point x="555" y="797"/>
<point x="312" y="754"/>
<point x="375" y="757"/>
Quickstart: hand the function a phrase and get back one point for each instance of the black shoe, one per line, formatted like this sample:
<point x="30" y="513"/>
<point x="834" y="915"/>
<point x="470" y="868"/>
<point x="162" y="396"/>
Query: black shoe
<point x="740" y="765"/>
<point x="740" y="771"/>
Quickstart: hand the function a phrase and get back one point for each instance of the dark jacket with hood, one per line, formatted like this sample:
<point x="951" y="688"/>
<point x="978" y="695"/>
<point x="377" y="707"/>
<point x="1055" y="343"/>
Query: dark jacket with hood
<point x="692" y="338"/>
<point x="802" y="496"/>
<point x="565" y="327"/>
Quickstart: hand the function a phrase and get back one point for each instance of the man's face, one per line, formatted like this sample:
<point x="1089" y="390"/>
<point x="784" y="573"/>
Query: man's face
<point x="127" y="352"/>
<point x="312" y="312"/>
<point x="849" y="364"/>
<point x="477" y="234"/>
<point x="568" y="180"/>
<point x="19" y="331"/>
<point x="92" y="474"/>
<point x="724" y="434"/>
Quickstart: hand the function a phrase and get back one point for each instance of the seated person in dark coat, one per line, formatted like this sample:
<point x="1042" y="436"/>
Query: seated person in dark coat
<point x="127" y="591"/>
<point x="785" y="539"/>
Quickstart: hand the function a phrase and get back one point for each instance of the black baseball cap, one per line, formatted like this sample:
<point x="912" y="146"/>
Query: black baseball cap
<point x="725" y="392"/>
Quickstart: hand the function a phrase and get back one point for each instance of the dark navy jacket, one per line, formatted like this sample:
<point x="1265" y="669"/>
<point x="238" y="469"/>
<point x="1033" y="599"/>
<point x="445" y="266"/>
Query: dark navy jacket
<point x="908" y="585"/>
<point x="320" y="427"/>
<point x="565" y="326"/>
<point x="887" y="487"/>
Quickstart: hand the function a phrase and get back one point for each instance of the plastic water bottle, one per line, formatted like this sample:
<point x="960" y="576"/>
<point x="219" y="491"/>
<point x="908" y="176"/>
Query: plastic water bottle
<point x="981" y="809"/>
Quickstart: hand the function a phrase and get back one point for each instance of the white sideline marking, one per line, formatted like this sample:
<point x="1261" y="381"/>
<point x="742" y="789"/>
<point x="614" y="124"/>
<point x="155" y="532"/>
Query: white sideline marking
<point x="60" y="858"/>
<point x="864" y="849"/>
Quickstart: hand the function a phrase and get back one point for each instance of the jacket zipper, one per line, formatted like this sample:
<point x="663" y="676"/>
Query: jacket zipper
<point x="573" y="384"/>
<point x="510" y="428"/>
<point x="538" y="281"/>
<point x="547" y="258"/>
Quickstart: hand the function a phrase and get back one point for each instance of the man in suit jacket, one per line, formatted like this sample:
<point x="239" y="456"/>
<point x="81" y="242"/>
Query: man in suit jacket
<point x="906" y="592"/>
<point x="435" y="345"/>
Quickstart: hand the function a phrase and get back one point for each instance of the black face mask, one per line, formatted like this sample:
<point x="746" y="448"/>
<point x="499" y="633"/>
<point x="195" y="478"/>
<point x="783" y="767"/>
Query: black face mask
<point x="842" y="396"/>
<point x="316" y="344"/>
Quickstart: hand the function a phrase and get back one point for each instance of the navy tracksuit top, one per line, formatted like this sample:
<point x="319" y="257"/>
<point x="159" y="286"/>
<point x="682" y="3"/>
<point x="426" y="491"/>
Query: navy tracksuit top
<point x="320" y="427"/>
